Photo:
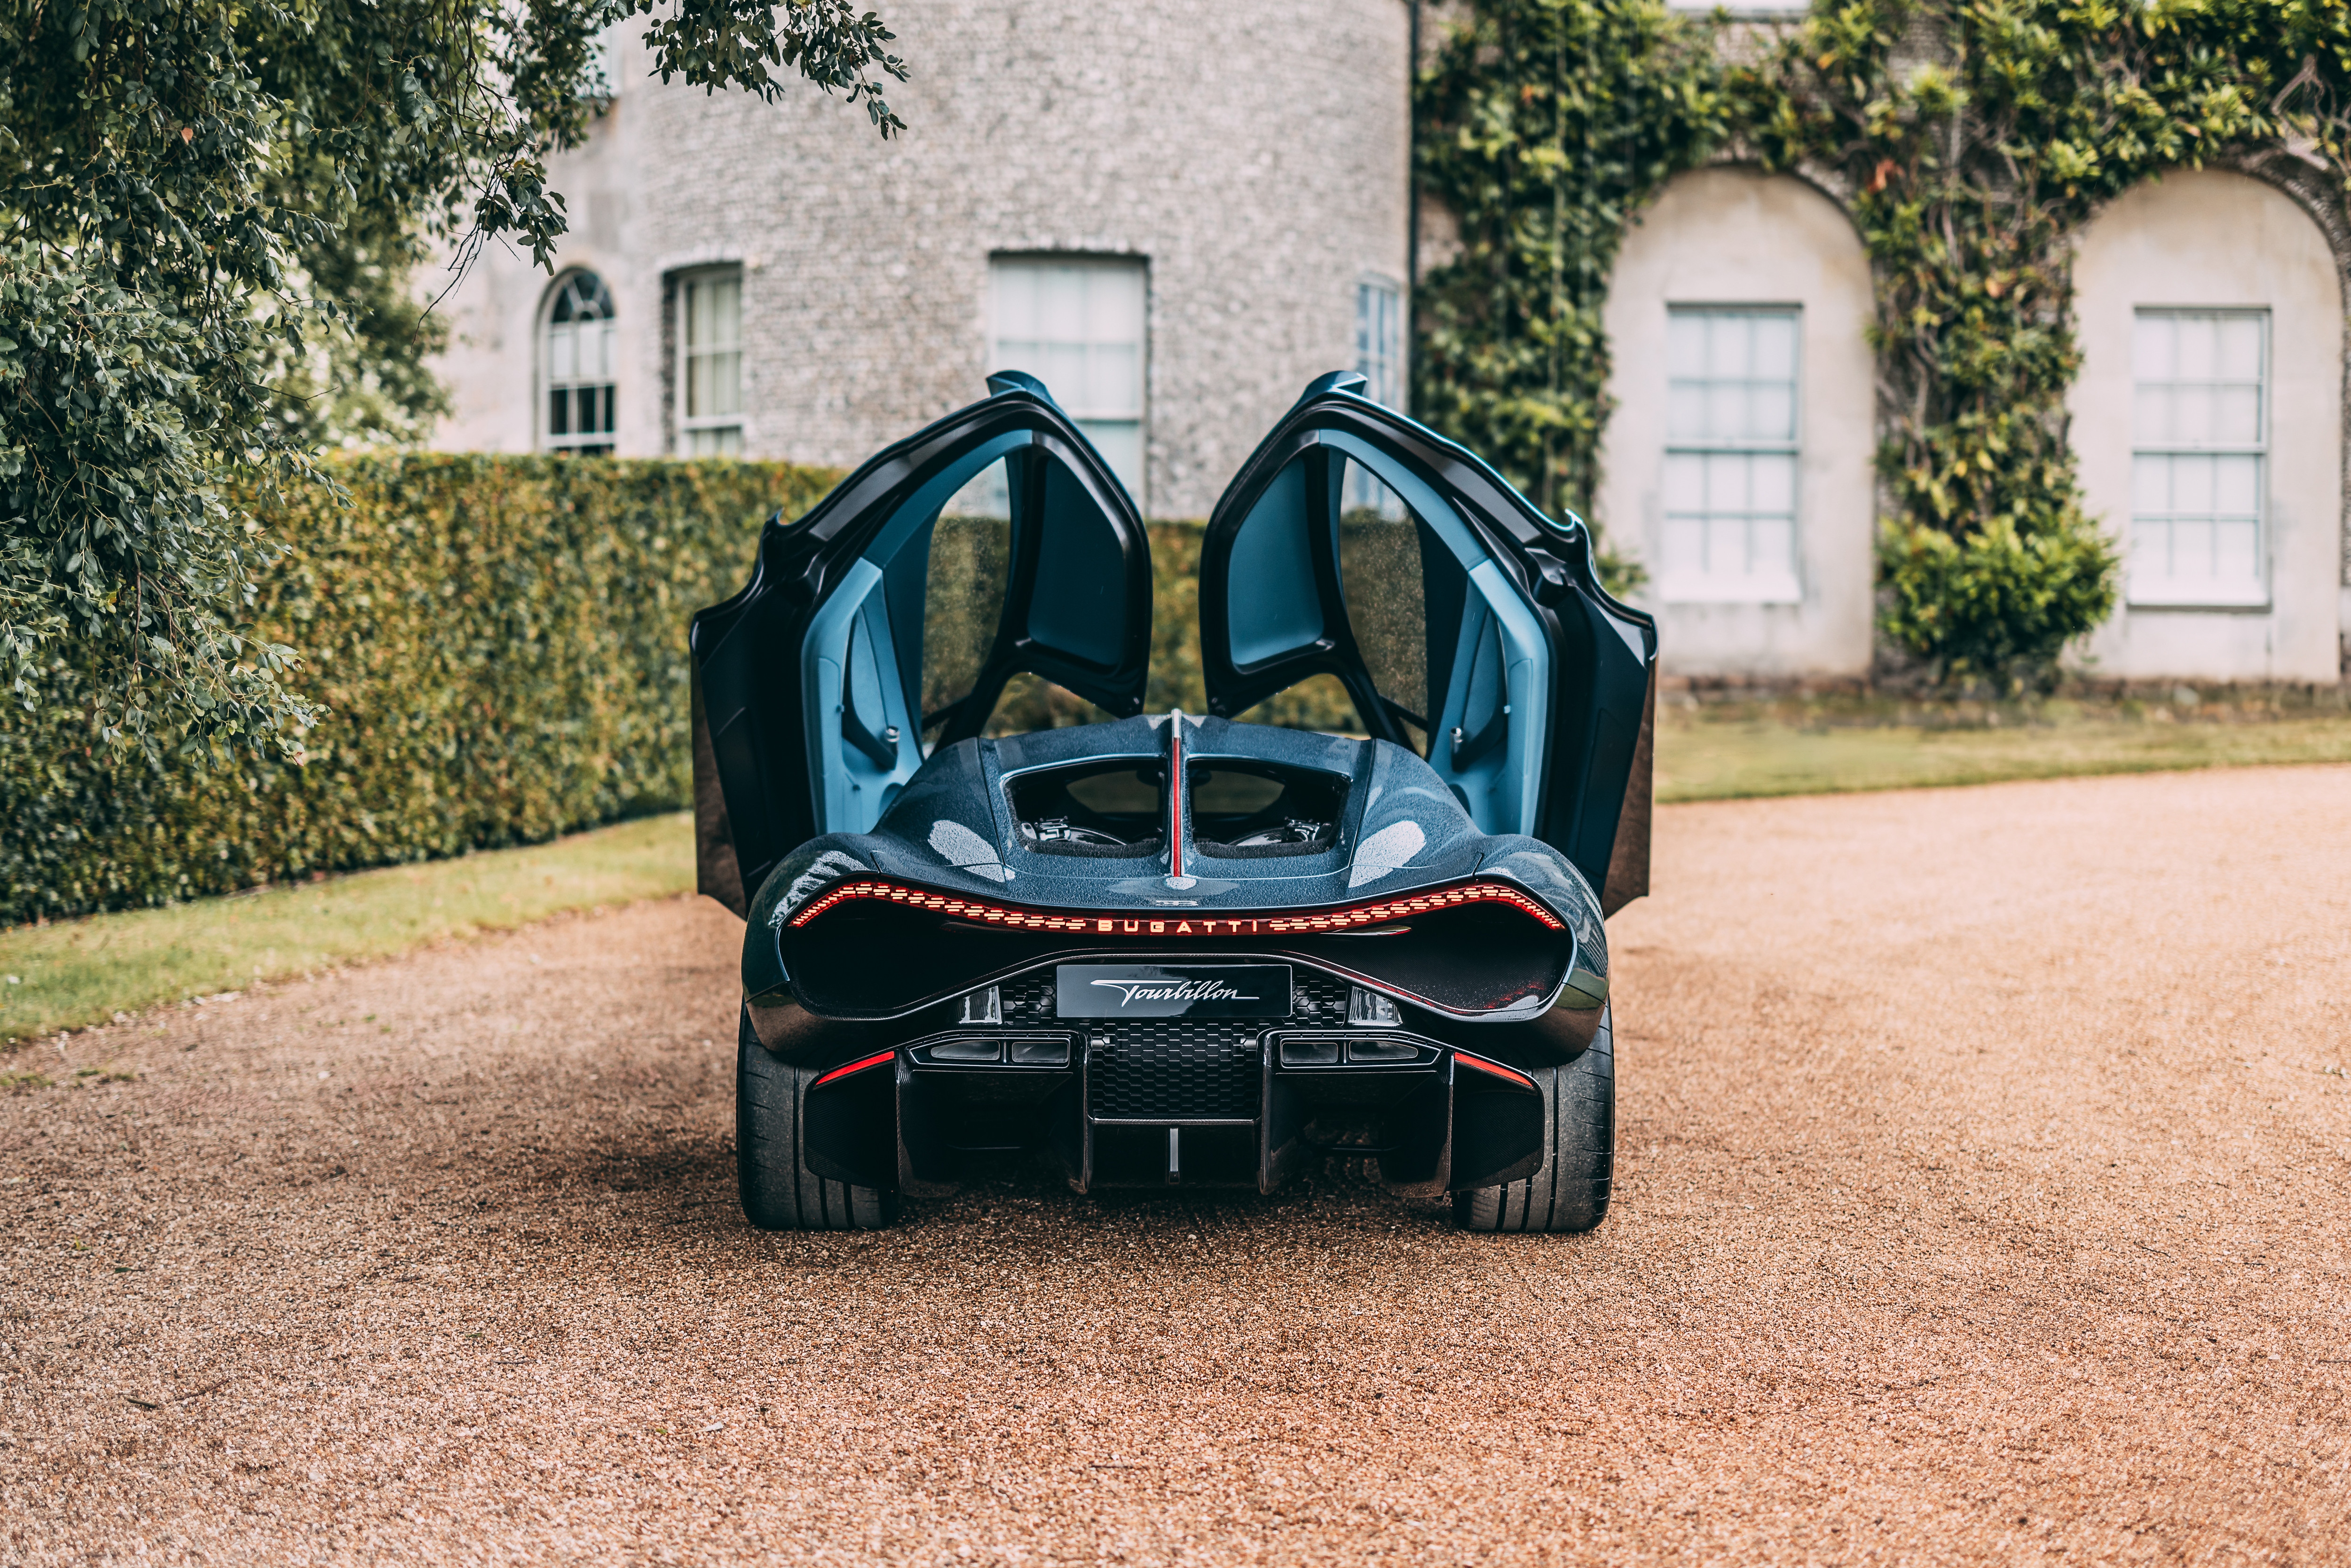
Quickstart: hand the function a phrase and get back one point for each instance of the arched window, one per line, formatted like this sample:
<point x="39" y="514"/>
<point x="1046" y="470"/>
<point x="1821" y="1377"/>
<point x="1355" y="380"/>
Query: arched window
<point x="581" y="368"/>
<point x="1739" y="460"/>
<point x="2208" y="422"/>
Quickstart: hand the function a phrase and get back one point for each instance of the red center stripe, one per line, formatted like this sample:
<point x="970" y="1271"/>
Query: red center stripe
<point x="1175" y="793"/>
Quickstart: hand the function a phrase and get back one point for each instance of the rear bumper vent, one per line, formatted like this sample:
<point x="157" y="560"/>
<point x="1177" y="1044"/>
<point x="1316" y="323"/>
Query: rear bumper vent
<point x="1172" y="1070"/>
<point x="1176" y="1070"/>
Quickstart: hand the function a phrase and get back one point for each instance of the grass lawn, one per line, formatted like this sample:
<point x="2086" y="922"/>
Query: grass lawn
<point x="80" y="972"/>
<point x="77" y="972"/>
<point x="1725" y="750"/>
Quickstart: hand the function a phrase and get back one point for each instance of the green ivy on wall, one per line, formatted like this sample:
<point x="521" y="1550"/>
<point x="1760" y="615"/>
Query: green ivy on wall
<point x="1972" y="142"/>
<point x="1543" y="125"/>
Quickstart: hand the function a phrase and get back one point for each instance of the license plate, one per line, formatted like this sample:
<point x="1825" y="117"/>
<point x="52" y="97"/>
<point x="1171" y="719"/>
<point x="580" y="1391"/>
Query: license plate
<point x="1172" y="990"/>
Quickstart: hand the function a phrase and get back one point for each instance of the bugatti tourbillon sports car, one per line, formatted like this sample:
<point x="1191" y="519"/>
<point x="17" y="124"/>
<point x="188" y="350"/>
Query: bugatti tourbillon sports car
<point x="1163" y="948"/>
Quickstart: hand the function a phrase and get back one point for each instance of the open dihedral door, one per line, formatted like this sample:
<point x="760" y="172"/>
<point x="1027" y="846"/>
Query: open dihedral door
<point x="1463" y="623"/>
<point x="885" y="622"/>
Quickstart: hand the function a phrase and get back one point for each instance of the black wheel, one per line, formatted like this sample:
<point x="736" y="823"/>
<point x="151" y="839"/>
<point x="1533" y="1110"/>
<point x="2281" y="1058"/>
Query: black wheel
<point x="780" y="1192"/>
<point x="1571" y="1191"/>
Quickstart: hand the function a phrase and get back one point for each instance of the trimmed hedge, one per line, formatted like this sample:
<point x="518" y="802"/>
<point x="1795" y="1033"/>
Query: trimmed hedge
<point x="1176" y="682"/>
<point x="502" y="642"/>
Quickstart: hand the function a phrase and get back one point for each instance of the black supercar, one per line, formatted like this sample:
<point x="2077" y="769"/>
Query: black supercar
<point x="1165" y="948"/>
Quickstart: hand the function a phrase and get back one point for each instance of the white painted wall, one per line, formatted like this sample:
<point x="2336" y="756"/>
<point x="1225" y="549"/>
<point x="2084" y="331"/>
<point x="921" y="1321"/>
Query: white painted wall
<point x="2203" y="237"/>
<point x="1737" y="237"/>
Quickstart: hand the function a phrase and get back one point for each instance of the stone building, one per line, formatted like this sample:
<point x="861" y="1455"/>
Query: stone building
<point x="1179" y="213"/>
<point x="2208" y="422"/>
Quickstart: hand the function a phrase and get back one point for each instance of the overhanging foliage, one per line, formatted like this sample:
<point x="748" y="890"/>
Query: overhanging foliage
<point x="193" y="194"/>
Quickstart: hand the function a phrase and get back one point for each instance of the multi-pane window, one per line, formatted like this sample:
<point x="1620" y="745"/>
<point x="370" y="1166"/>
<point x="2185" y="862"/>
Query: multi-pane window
<point x="1077" y="324"/>
<point x="1379" y="360"/>
<point x="2199" y="429"/>
<point x="1731" y="434"/>
<point x="710" y="353"/>
<point x="581" y="365"/>
<point x="1379" y="341"/>
<point x="600" y="79"/>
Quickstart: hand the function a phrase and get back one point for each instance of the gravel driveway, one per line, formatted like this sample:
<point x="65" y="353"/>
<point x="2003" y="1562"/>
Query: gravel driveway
<point x="1982" y="1199"/>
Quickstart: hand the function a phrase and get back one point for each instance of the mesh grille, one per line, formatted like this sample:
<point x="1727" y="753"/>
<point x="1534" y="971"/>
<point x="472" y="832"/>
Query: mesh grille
<point x="1317" y="998"/>
<point x="1177" y="1068"/>
<point x="1028" y="1000"/>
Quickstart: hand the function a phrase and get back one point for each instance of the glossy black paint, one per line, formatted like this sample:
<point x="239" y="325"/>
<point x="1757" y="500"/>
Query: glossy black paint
<point x="1490" y="967"/>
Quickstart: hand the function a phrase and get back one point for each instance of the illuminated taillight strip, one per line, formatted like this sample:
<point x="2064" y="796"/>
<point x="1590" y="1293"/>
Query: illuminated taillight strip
<point x="1495" y="1068"/>
<point x="942" y="903"/>
<point x="876" y="1059"/>
<point x="1304" y="923"/>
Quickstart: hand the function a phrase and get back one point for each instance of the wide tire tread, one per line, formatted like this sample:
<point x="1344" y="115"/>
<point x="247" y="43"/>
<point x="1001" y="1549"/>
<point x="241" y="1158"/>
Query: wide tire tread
<point x="780" y="1192"/>
<point x="1571" y="1190"/>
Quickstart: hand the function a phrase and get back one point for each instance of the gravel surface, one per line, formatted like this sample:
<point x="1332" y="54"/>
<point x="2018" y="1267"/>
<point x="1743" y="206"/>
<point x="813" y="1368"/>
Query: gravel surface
<point x="1981" y="1200"/>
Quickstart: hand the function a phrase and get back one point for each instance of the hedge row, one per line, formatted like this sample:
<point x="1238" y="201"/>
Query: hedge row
<point x="501" y="641"/>
<point x="1319" y="702"/>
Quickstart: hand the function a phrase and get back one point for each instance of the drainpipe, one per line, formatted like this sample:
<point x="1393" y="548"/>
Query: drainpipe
<point x="1411" y="202"/>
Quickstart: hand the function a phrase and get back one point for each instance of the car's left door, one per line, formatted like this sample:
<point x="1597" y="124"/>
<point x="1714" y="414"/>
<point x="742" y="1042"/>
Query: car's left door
<point x="886" y="622"/>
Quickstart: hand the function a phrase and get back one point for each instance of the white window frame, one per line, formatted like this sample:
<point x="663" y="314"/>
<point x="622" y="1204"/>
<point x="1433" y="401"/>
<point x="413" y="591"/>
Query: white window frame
<point x="2177" y="593"/>
<point x="1379" y="360"/>
<point x="1011" y="347"/>
<point x="595" y="442"/>
<point x="601" y="81"/>
<point x="1755" y="588"/>
<point x="689" y="424"/>
<point x="1379" y="339"/>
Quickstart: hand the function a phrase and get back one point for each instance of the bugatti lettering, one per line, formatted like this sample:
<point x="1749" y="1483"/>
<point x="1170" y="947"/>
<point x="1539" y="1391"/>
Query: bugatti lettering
<point x="1140" y="946"/>
<point x="1175" y="991"/>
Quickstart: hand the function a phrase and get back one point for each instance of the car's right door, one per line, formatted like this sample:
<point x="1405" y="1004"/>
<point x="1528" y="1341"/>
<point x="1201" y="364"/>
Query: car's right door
<point x="1465" y="624"/>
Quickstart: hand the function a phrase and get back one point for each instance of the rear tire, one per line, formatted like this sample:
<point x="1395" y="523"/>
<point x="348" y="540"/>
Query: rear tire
<point x="780" y="1192"/>
<point x="1571" y="1192"/>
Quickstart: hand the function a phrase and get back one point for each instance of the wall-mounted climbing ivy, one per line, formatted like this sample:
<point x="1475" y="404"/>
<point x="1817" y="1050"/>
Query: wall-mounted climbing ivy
<point x="1973" y="140"/>
<point x="1970" y="170"/>
<point x="1543" y="125"/>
